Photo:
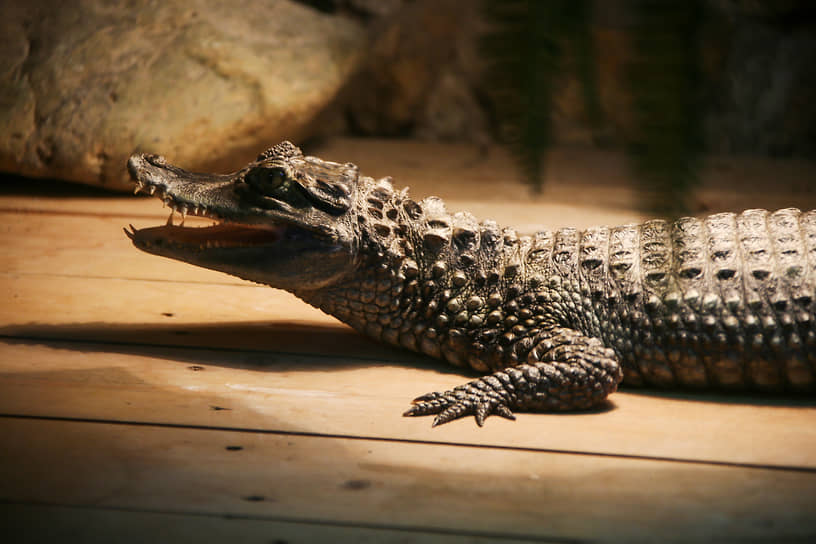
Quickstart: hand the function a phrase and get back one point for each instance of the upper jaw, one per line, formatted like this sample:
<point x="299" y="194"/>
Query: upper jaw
<point x="207" y="195"/>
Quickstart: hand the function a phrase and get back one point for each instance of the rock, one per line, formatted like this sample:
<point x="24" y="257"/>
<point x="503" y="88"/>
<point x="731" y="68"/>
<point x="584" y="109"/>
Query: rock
<point x="409" y="52"/>
<point x="206" y="83"/>
<point x="451" y="113"/>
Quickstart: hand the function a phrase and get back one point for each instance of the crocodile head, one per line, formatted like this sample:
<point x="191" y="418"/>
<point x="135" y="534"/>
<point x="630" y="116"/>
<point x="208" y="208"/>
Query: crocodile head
<point x="284" y="220"/>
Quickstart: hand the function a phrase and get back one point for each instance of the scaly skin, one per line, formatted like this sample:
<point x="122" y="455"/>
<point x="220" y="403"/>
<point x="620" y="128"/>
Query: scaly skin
<point x="555" y="321"/>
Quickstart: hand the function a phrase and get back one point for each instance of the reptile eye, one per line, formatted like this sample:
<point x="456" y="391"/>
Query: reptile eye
<point x="266" y="180"/>
<point x="275" y="183"/>
<point x="275" y="176"/>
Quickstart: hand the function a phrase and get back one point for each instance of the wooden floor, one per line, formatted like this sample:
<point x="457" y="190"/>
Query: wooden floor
<point x="143" y="400"/>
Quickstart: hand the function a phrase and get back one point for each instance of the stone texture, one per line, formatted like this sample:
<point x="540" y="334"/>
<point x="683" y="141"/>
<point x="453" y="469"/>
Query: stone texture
<point x="85" y="84"/>
<point x="408" y="55"/>
<point x="451" y="112"/>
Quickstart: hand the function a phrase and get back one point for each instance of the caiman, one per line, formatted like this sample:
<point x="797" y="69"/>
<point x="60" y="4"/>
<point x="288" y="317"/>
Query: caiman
<point x="552" y="321"/>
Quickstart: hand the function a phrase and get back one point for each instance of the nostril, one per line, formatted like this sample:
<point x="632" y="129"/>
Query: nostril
<point x="139" y="163"/>
<point x="156" y="160"/>
<point x="134" y="165"/>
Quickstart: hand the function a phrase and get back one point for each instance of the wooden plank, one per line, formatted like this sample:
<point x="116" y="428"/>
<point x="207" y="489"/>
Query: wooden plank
<point x="39" y="523"/>
<point x="270" y="328"/>
<point x="412" y="486"/>
<point x="129" y="313"/>
<point x="87" y="246"/>
<point x="167" y="313"/>
<point x="184" y="346"/>
<point x="231" y="317"/>
<point x="335" y="396"/>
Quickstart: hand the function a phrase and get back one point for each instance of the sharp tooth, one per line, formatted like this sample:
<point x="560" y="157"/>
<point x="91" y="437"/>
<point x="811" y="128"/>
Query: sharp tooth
<point x="137" y="189"/>
<point x="196" y="210"/>
<point x="151" y="189"/>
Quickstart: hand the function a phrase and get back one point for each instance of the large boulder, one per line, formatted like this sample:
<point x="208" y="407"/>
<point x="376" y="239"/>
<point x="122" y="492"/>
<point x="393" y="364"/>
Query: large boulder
<point x="84" y="84"/>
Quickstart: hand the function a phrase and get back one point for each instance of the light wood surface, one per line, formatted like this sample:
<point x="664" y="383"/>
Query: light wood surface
<point x="141" y="398"/>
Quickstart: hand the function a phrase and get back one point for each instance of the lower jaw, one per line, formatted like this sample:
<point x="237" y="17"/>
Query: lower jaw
<point x="217" y="236"/>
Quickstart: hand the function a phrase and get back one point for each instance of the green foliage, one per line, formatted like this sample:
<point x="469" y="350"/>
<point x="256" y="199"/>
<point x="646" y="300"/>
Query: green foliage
<point x="525" y="52"/>
<point x="664" y="82"/>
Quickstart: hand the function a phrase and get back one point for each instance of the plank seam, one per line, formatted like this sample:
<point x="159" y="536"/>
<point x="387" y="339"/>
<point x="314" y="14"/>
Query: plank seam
<point x="41" y="340"/>
<point x="500" y="447"/>
<point x="126" y="278"/>
<point x="314" y="521"/>
<point x="71" y="213"/>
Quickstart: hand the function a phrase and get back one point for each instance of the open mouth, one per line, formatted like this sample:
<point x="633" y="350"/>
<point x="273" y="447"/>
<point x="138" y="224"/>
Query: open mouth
<point x="248" y="211"/>
<point x="222" y="234"/>
<point x="225" y="235"/>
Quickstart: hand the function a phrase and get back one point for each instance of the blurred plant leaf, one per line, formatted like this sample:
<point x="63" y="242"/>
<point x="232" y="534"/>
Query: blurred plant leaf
<point x="524" y="51"/>
<point x="664" y="83"/>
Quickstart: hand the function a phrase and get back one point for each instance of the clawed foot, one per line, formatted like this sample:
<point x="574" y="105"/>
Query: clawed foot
<point x="577" y="372"/>
<point x="459" y="402"/>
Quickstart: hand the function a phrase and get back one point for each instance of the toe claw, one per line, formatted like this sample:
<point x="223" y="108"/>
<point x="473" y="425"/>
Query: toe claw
<point x="481" y="413"/>
<point x="504" y="411"/>
<point x="426" y="397"/>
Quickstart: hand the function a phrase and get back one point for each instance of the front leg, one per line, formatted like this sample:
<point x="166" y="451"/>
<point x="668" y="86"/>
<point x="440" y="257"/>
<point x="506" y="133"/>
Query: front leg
<point x="565" y="370"/>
